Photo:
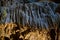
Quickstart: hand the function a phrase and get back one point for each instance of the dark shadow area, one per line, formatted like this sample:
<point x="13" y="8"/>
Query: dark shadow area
<point x="20" y="39"/>
<point x="15" y="36"/>
<point x="52" y="34"/>
<point x="6" y="38"/>
<point x="56" y="1"/>
<point x="58" y="9"/>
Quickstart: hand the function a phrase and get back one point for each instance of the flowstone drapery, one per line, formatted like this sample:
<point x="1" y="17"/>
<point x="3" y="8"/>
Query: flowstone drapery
<point x="30" y="21"/>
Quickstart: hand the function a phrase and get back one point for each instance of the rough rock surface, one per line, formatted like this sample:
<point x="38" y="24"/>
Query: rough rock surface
<point x="28" y="21"/>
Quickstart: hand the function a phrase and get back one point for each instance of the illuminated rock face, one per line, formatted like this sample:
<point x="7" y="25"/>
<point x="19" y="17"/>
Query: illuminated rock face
<point x="42" y="35"/>
<point x="29" y="21"/>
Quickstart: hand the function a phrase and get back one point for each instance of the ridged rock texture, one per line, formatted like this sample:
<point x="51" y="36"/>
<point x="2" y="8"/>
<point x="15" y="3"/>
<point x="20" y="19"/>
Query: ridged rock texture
<point x="22" y="20"/>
